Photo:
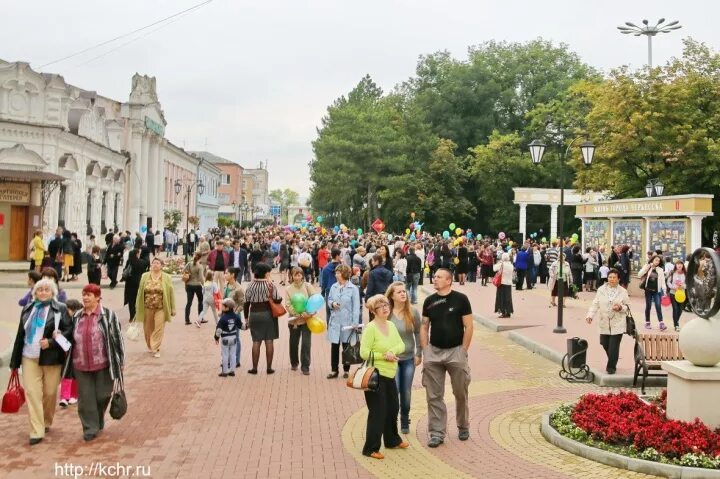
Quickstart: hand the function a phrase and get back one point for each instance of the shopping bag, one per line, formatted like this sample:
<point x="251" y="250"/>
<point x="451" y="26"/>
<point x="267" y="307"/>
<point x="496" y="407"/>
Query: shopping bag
<point x="14" y="397"/>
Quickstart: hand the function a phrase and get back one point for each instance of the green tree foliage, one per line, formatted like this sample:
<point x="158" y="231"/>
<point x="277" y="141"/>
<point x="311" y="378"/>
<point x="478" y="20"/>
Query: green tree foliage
<point x="172" y="219"/>
<point x="284" y="198"/>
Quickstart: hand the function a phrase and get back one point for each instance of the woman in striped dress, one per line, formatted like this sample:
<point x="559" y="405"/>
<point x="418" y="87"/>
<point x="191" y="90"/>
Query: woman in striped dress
<point x="263" y="327"/>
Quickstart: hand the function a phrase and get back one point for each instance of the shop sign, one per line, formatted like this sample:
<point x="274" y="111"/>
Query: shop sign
<point x="152" y="125"/>
<point x="15" y="193"/>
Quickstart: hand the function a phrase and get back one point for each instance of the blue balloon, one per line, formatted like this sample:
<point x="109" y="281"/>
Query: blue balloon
<point x="446" y="234"/>
<point x="314" y="303"/>
<point x="412" y="237"/>
<point x="143" y="229"/>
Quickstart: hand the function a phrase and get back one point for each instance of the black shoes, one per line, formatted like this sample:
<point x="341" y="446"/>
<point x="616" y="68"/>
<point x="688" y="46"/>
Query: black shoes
<point x="270" y="371"/>
<point x="231" y="373"/>
<point x="345" y="375"/>
<point x="222" y="375"/>
<point x="35" y="440"/>
<point x="333" y="375"/>
<point x="88" y="437"/>
<point x="464" y="434"/>
<point x="252" y="371"/>
<point x="435" y="442"/>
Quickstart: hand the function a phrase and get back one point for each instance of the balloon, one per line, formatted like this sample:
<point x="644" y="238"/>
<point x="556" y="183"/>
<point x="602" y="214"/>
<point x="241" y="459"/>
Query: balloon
<point x="501" y="235"/>
<point x="317" y="225"/>
<point x="314" y="303"/>
<point x="456" y="261"/>
<point x="143" y="228"/>
<point x="510" y="243"/>
<point x="299" y="302"/>
<point x="665" y="301"/>
<point x="458" y="231"/>
<point x="407" y="231"/>
<point x="359" y="231"/>
<point x="427" y="269"/>
<point x="324" y="231"/>
<point x="319" y="218"/>
<point x="446" y="234"/>
<point x="390" y="237"/>
<point x="680" y="296"/>
<point x="452" y="226"/>
<point x="316" y="325"/>
<point x="412" y="215"/>
<point x="412" y="237"/>
<point x="543" y="239"/>
<point x="353" y="243"/>
<point x="412" y="226"/>
<point x="574" y="236"/>
<point x="303" y="223"/>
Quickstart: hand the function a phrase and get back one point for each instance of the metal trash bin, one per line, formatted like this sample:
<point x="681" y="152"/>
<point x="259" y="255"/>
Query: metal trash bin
<point x="577" y="352"/>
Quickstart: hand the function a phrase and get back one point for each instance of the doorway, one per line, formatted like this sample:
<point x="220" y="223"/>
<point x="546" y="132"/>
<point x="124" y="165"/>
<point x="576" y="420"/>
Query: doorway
<point x="18" y="233"/>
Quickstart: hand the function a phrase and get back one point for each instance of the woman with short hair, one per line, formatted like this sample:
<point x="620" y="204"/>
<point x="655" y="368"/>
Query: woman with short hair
<point x="263" y="326"/>
<point x="97" y="359"/>
<point x="344" y="303"/>
<point x="155" y="305"/>
<point x="40" y="352"/>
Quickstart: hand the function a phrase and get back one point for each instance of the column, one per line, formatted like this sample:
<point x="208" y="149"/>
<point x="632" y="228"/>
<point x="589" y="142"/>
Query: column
<point x="146" y="179"/>
<point x="553" y="221"/>
<point x="584" y="243"/>
<point x="135" y="184"/>
<point x="523" y="220"/>
<point x="109" y="210"/>
<point x="646" y="240"/>
<point x="695" y="235"/>
<point x="158" y="184"/>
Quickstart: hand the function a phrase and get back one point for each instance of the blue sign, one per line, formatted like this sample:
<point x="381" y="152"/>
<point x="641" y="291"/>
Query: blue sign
<point x="275" y="210"/>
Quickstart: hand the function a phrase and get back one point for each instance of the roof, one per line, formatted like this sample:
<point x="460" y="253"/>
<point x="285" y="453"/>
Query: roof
<point x="207" y="156"/>
<point x="6" y="175"/>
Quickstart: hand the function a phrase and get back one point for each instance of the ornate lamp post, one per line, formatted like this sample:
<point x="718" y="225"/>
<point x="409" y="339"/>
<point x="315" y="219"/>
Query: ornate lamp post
<point x="654" y="187"/>
<point x="649" y="31"/>
<point x="189" y="185"/>
<point x="537" y="150"/>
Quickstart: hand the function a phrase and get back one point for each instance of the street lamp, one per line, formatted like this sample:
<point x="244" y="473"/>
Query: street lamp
<point x="654" y="187"/>
<point x="650" y="31"/>
<point x="189" y="185"/>
<point x="537" y="149"/>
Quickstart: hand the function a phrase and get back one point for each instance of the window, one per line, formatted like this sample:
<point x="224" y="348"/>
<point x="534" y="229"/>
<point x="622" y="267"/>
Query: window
<point x="224" y="179"/>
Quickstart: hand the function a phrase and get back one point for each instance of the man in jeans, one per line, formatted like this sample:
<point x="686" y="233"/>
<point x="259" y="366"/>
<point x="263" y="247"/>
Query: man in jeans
<point x="445" y="336"/>
<point x="413" y="271"/>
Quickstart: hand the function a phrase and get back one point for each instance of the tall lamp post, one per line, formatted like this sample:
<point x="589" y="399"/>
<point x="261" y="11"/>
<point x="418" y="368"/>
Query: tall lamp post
<point x="537" y="149"/>
<point x="649" y="31"/>
<point x="189" y="185"/>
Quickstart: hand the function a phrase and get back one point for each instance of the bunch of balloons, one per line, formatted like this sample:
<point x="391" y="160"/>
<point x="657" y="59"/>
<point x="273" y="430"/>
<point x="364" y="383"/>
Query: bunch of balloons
<point x="446" y="234"/>
<point x="301" y="304"/>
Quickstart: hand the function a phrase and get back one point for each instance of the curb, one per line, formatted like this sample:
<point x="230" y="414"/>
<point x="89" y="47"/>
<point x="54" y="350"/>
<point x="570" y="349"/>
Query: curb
<point x="622" y="462"/>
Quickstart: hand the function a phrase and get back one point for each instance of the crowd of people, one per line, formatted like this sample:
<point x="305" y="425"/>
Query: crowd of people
<point x="359" y="275"/>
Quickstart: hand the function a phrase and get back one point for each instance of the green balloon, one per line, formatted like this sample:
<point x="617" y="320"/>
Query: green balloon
<point x="299" y="302"/>
<point x="359" y="231"/>
<point x="452" y="226"/>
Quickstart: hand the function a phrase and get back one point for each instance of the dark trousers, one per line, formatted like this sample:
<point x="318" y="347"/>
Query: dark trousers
<point x="677" y="309"/>
<point x="653" y="297"/>
<point x="94" y="392"/>
<point x="520" y="279"/>
<point x="112" y="273"/>
<point x="131" y="307"/>
<point x="383" y="407"/>
<point x="59" y="268"/>
<point x="297" y="333"/>
<point x="611" y="345"/>
<point x="335" y="357"/>
<point x="193" y="290"/>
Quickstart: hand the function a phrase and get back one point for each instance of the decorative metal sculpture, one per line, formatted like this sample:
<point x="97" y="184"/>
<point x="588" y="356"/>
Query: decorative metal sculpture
<point x="702" y="282"/>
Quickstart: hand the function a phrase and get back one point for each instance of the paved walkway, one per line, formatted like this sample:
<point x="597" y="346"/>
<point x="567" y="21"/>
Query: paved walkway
<point x="186" y="422"/>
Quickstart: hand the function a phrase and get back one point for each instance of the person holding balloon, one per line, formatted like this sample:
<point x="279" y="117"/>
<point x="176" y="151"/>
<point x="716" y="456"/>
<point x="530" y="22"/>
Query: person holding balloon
<point x="296" y="297"/>
<point x="676" y="283"/>
<point x="343" y="300"/>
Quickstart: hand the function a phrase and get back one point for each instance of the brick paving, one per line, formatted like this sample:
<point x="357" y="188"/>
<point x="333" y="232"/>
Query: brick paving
<point x="185" y="422"/>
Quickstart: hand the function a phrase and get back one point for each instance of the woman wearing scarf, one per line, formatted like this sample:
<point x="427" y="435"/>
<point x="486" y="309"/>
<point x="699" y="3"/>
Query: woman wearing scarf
<point x="155" y="305"/>
<point x="43" y="331"/>
<point x="97" y="359"/>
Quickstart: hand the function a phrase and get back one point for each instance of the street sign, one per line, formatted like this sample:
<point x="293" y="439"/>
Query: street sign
<point x="378" y="225"/>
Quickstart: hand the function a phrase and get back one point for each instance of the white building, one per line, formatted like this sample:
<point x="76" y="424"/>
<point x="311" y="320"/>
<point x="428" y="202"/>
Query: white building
<point x="74" y="158"/>
<point x="260" y="193"/>
<point x="208" y="202"/>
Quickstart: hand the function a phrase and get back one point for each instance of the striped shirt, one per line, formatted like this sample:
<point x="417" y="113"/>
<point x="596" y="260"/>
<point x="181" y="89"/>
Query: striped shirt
<point x="551" y="255"/>
<point x="258" y="291"/>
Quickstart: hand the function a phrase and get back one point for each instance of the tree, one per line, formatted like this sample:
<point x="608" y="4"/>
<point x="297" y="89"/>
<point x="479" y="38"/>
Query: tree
<point x="194" y="221"/>
<point x="284" y="198"/>
<point x="172" y="219"/>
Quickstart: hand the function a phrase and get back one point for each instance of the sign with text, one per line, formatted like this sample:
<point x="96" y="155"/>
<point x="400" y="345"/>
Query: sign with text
<point x="378" y="225"/>
<point x="18" y="193"/>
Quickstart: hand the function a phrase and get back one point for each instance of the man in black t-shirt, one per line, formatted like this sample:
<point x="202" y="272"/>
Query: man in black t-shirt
<point x="445" y="336"/>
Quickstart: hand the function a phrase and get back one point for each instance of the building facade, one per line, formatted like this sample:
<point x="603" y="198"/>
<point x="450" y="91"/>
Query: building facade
<point x="70" y="157"/>
<point x="260" y="192"/>
<point x="208" y="202"/>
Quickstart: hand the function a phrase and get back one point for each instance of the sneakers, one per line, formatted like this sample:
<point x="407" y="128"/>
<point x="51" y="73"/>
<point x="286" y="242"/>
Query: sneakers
<point x="648" y="326"/>
<point x="662" y="326"/>
<point x="405" y="430"/>
<point x="156" y="355"/>
<point x="464" y="434"/>
<point x="434" y="442"/>
<point x="72" y="401"/>
<point x="677" y="329"/>
<point x="63" y="403"/>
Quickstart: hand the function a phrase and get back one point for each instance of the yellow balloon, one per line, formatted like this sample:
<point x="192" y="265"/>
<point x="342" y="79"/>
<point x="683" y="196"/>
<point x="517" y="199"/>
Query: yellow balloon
<point x="407" y="231"/>
<point x="316" y="325"/>
<point x="680" y="296"/>
<point x="458" y="231"/>
<point x="427" y="269"/>
<point x="456" y="261"/>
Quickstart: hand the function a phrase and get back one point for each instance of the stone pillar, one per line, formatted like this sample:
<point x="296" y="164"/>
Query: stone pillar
<point x="158" y="184"/>
<point x="695" y="234"/>
<point x="146" y="179"/>
<point x="523" y="220"/>
<point x="95" y="219"/>
<point x="109" y="210"/>
<point x="135" y="184"/>
<point x="646" y="239"/>
<point x="553" y="221"/>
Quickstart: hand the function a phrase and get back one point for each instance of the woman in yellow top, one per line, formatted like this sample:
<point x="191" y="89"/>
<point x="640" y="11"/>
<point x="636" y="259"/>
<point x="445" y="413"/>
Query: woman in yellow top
<point x="381" y="338"/>
<point x="38" y="250"/>
<point x="155" y="304"/>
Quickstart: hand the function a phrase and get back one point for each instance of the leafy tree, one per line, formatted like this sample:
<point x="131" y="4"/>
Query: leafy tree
<point x="172" y="219"/>
<point x="284" y="198"/>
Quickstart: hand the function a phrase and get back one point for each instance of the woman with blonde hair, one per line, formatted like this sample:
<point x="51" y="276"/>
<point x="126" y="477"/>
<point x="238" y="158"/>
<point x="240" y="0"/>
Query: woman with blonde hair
<point x="38" y="250"/>
<point x="407" y="321"/>
<point x="155" y="304"/>
<point x="382" y="340"/>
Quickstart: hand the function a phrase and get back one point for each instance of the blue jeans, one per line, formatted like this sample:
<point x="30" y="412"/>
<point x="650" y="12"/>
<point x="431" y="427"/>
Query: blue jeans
<point x="237" y="349"/>
<point x="404" y="380"/>
<point x="411" y="283"/>
<point x="652" y="297"/>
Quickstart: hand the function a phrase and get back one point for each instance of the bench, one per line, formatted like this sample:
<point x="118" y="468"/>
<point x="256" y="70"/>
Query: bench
<point x="651" y="350"/>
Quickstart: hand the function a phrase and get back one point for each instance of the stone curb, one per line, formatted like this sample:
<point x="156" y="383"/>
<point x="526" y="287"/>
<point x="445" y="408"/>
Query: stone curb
<point x="601" y="377"/>
<point x="622" y="462"/>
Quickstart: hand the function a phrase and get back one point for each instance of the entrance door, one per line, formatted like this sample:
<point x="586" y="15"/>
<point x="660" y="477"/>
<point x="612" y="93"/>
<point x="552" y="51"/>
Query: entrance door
<point x="18" y="233"/>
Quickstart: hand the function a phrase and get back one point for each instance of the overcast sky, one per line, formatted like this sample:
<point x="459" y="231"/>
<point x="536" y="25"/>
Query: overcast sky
<point x="252" y="79"/>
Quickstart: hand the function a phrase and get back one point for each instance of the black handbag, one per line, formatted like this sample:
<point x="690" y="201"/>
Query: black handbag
<point x="351" y="354"/>
<point x="127" y="271"/>
<point x="118" y="403"/>
<point x="630" y="328"/>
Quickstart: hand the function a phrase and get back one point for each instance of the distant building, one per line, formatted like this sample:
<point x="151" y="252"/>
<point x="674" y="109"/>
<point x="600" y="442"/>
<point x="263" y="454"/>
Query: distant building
<point x="208" y="202"/>
<point x="260" y="192"/>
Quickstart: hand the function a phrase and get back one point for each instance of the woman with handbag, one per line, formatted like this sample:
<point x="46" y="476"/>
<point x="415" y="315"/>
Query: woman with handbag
<point x="503" y="295"/>
<point x="297" y="327"/>
<point x="97" y="359"/>
<point x="344" y="303"/>
<point x="193" y="276"/>
<point x="155" y="304"/>
<point x="610" y="304"/>
<point x="556" y="280"/>
<point x="382" y="341"/>
<point x="39" y="351"/>
<point x="407" y="321"/>
<point x="258" y="311"/>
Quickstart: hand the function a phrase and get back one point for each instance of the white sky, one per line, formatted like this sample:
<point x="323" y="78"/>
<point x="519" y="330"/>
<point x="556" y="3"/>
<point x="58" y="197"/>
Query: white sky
<point x="253" y="78"/>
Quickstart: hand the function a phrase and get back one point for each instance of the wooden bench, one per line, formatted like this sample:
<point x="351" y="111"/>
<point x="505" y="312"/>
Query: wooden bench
<point x="650" y="350"/>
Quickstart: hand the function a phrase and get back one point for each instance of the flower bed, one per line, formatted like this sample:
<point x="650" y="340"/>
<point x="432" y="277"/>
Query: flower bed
<point x="174" y="265"/>
<point x="624" y="424"/>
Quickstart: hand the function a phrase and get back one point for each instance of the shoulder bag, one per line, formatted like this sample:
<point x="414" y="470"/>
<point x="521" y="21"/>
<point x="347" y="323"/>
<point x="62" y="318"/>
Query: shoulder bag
<point x="14" y="397"/>
<point x="497" y="279"/>
<point x="276" y="309"/>
<point x="630" y="328"/>
<point x="366" y="377"/>
<point x="351" y="354"/>
<point x="118" y="402"/>
<point x="186" y="274"/>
